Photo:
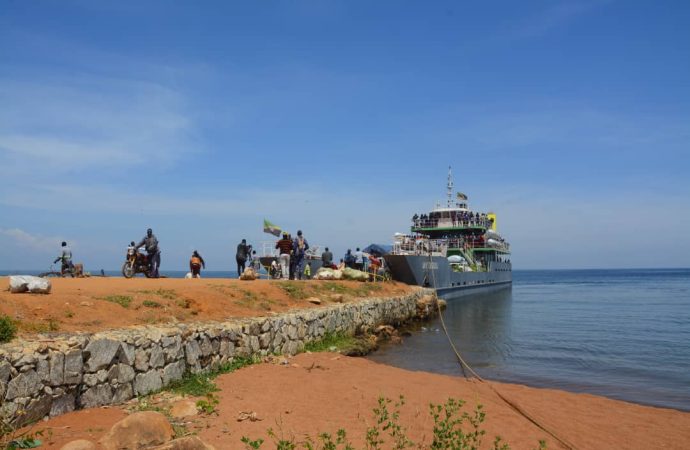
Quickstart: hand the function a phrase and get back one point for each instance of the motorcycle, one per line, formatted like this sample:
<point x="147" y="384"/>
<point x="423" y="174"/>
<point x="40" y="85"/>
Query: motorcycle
<point x="137" y="262"/>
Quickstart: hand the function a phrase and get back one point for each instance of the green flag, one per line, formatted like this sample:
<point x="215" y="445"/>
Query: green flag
<point x="271" y="229"/>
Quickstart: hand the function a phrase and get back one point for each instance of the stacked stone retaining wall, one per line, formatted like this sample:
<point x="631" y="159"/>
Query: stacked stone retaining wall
<point x="49" y="376"/>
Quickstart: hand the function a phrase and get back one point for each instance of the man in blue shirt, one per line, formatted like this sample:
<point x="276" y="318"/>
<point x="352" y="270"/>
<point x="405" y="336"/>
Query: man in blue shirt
<point x="299" y="248"/>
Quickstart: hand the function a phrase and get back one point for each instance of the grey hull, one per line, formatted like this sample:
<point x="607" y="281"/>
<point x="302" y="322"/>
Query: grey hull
<point x="435" y="272"/>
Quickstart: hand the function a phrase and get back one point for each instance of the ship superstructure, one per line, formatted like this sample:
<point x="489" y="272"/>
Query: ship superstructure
<point x="452" y="248"/>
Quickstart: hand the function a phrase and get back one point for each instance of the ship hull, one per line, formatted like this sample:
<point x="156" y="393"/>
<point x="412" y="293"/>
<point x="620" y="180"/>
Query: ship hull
<point x="435" y="272"/>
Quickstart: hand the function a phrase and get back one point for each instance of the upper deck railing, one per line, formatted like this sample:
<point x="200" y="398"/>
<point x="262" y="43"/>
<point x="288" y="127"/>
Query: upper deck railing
<point x="447" y="223"/>
<point x="414" y="245"/>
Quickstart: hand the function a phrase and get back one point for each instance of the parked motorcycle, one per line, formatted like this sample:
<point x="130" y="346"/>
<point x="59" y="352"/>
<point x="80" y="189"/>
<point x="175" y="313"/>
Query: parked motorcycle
<point x="137" y="262"/>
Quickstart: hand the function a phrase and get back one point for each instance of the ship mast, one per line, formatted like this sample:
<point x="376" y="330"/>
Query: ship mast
<point x="450" y="188"/>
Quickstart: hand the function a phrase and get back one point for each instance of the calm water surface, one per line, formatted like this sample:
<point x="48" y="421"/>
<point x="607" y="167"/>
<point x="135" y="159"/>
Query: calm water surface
<point x="624" y="334"/>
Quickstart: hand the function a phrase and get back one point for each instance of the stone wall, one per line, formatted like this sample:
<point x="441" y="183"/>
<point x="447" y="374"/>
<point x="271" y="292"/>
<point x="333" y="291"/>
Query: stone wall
<point x="51" y="376"/>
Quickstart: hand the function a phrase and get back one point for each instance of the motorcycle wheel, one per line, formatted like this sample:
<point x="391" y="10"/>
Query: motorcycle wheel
<point x="147" y="273"/>
<point x="128" y="270"/>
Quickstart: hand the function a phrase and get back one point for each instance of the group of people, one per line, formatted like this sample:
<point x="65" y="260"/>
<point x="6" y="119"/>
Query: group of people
<point x="291" y="256"/>
<point x="457" y="218"/>
<point x="361" y="261"/>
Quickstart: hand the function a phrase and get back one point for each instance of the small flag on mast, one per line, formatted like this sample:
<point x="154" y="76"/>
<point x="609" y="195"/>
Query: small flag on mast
<point x="271" y="228"/>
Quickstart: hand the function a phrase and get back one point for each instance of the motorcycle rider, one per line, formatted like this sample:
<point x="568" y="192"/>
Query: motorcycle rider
<point x="150" y="243"/>
<point x="66" y="257"/>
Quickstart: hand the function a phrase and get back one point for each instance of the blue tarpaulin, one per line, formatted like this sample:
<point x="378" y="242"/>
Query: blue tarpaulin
<point x="378" y="249"/>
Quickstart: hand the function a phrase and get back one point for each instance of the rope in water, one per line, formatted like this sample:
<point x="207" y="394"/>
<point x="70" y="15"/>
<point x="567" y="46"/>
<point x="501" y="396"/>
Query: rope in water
<point x="463" y="365"/>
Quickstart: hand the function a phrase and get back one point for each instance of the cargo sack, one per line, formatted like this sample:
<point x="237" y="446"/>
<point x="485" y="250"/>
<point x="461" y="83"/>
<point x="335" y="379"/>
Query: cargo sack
<point x="248" y="274"/>
<point x="354" y="274"/>
<point x="324" y="273"/>
<point x="28" y="283"/>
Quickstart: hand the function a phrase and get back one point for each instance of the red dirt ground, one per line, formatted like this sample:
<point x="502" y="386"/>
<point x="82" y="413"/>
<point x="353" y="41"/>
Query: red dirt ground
<point x="326" y="391"/>
<point x="87" y="304"/>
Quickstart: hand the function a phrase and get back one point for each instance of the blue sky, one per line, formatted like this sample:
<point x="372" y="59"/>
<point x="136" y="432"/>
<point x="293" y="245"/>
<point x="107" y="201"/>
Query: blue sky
<point x="570" y="120"/>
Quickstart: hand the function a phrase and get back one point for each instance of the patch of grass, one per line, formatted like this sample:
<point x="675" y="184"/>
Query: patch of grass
<point x="366" y="289"/>
<point x="201" y="384"/>
<point x="8" y="328"/>
<point x="50" y="324"/>
<point x="208" y="405"/>
<point x="452" y="429"/>
<point x="145" y="404"/>
<point x="122" y="300"/>
<point x="265" y="305"/>
<point x="248" y="295"/>
<point x="226" y="290"/>
<point x="196" y="385"/>
<point x="168" y="294"/>
<point x="151" y="304"/>
<point x="329" y="340"/>
<point x="293" y="289"/>
<point x="334" y="287"/>
<point x="151" y="318"/>
<point x="183" y="303"/>
<point x="69" y="314"/>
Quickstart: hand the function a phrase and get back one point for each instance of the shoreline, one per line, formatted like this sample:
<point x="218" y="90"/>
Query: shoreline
<point x="322" y="392"/>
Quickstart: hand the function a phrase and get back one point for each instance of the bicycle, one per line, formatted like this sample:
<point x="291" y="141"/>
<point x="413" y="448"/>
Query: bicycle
<point x="69" y="271"/>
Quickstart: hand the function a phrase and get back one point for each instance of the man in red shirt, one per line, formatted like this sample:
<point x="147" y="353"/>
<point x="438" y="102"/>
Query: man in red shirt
<point x="285" y="247"/>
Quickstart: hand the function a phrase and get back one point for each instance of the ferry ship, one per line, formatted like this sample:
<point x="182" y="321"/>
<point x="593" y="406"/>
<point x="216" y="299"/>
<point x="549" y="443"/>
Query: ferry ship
<point x="452" y="249"/>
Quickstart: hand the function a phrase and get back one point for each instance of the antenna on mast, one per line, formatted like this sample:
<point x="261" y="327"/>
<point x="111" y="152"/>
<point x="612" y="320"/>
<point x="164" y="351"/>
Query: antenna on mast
<point x="450" y="188"/>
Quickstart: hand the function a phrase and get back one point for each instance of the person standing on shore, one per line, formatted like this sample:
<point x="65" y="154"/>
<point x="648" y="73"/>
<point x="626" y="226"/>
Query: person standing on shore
<point x="196" y="263"/>
<point x="299" y="248"/>
<point x="349" y="259"/>
<point x="327" y="258"/>
<point x="150" y="243"/>
<point x="359" y="259"/>
<point x="243" y="252"/>
<point x="284" y="247"/>
<point x="66" y="259"/>
<point x="256" y="262"/>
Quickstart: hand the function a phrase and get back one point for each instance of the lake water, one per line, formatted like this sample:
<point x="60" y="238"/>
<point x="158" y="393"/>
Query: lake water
<point x="623" y="334"/>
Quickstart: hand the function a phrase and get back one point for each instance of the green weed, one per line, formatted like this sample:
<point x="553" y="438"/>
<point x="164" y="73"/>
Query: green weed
<point x="50" y="324"/>
<point x="151" y="304"/>
<point x="122" y="300"/>
<point x="293" y="289"/>
<point x="8" y="328"/>
<point x="328" y="341"/>
<point x="168" y="294"/>
<point x="386" y="432"/>
<point x="183" y="303"/>
<point x="201" y="384"/>
<point x="208" y="405"/>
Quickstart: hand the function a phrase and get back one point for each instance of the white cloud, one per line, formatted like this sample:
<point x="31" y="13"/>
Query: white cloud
<point x="35" y="242"/>
<point x="59" y="125"/>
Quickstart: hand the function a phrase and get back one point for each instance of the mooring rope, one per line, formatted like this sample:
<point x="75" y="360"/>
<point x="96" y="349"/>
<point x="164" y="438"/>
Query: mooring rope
<point x="463" y="365"/>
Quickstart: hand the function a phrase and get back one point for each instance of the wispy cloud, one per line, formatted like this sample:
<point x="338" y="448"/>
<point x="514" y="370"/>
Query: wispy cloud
<point x="59" y="125"/>
<point x="35" y="242"/>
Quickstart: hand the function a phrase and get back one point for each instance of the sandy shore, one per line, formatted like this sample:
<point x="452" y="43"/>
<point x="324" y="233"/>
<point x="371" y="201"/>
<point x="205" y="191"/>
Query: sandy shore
<point x="96" y="304"/>
<point x="326" y="391"/>
<point x="323" y="392"/>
